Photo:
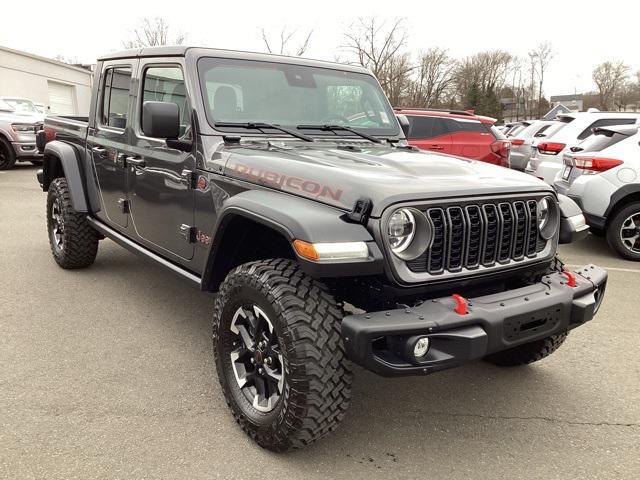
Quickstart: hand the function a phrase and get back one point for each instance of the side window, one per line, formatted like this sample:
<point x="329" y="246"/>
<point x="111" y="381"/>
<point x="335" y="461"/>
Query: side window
<point x="166" y="84"/>
<point x="115" y="97"/>
<point x="420" y="127"/>
<point x="466" y="126"/>
<point x="439" y="127"/>
<point x="605" y="122"/>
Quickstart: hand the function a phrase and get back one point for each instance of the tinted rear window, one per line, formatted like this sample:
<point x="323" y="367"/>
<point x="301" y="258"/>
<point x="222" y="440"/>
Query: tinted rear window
<point x="599" y="141"/>
<point x="605" y="122"/>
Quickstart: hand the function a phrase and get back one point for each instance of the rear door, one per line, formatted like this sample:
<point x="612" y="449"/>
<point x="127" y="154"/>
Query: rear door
<point x="108" y="141"/>
<point x="429" y="133"/>
<point x="160" y="178"/>
<point x="471" y="138"/>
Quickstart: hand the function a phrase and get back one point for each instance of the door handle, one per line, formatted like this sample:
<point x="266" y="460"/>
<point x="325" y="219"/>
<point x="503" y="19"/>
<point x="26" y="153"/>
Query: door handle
<point x="135" y="162"/>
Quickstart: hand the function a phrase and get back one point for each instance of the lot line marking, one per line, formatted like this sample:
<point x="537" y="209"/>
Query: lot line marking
<point x="613" y="269"/>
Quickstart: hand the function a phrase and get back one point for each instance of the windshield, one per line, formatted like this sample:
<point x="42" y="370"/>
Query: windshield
<point x="21" y="105"/>
<point x="245" y="91"/>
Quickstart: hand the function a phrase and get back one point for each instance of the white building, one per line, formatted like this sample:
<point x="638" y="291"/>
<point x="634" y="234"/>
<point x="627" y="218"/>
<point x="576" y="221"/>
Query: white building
<point x="63" y="89"/>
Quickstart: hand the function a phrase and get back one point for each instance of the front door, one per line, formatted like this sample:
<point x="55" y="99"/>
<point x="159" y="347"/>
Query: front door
<point x="160" y="178"/>
<point x="109" y="139"/>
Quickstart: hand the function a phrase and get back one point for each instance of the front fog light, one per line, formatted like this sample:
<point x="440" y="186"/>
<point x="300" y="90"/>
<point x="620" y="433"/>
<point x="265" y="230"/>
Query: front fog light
<point x="421" y="348"/>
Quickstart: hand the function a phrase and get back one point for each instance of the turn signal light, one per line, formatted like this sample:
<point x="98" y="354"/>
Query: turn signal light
<point x="517" y="141"/>
<point x="318" y="252"/>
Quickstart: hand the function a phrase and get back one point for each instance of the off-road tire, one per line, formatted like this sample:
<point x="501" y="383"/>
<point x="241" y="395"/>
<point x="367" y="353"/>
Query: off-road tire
<point x="613" y="231"/>
<point x="7" y="155"/>
<point x="306" y="319"/>
<point x="527" y="353"/>
<point x="80" y="241"/>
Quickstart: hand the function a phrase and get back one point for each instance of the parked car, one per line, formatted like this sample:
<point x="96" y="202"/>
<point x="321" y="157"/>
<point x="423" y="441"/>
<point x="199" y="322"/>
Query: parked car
<point x="522" y="140"/>
<point x="602" y="174"/>
<point x="19" y="121"/>
<point x="546" y="160"/>
<point x="457" y="132"/>
<point x="291" y="191"/>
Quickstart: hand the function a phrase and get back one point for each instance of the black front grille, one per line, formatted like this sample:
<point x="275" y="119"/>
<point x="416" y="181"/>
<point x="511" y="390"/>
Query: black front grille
<point x="489" y="234"/>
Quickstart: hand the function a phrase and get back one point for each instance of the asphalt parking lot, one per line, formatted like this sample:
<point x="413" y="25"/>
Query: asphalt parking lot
<point x="107" y="373"/>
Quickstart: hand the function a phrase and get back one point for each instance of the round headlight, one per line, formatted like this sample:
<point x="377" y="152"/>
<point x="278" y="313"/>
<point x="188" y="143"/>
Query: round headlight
<point x="548" y="217"/>
<point x="401" y="230"/>
<point x="543" y="213"/>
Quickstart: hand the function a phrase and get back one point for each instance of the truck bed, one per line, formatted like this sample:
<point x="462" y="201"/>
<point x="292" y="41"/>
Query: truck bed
<point x="72" y="129"/>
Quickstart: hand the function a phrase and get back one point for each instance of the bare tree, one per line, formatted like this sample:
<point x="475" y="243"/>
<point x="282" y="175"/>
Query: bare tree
<point x="609" y="77"/>
<point x="540" y="58"/>
<point x="380" y="48"/>
<point x="285" y="38"/>
<point x="153" y="32"/>
<point x="434" y="76"/>
<point x="67" y="60"/>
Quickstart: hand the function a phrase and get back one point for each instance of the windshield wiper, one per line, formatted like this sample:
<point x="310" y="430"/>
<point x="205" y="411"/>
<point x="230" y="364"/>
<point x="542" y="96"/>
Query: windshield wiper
<point x="333" y="128"/>
<point x="261" y="126"/>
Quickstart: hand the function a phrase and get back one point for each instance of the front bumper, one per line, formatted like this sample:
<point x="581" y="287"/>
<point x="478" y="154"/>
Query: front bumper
<point x="28" y="150"/>
<point x="383" y="341"/>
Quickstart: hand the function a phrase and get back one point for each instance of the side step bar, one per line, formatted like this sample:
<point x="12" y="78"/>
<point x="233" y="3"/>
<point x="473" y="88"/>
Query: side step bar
<point x="143" y="252"/>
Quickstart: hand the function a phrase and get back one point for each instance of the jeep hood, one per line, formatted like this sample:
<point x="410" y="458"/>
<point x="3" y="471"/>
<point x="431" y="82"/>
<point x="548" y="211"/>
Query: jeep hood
<point x="339" y="176"/>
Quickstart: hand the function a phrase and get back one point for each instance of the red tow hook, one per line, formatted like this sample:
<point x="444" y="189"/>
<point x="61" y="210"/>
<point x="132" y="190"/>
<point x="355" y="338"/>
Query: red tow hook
<point x="571" y="278"/>
<point x="461" y="304"/>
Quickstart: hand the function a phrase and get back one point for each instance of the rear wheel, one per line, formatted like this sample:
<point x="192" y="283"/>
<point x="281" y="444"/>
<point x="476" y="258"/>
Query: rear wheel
<point x="279" y="355"/>
<point x="74" y="243"/>
<point x="7" y="155"/>
<point x="527" y="353"/>
<point x="623" y="232"/>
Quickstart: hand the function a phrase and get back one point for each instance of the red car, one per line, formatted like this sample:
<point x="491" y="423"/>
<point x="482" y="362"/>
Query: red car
<point x="456" y="132"/>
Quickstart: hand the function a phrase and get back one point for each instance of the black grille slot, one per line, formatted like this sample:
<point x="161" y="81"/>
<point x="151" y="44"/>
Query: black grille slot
<point x="521" y="227"/>
<point x="474" y="236"/>
<point x="492" y="222"/>
<point x="436" y="253"/>
<point x="469" y="236"/>
<point x="506" y="232"/>
<point x="457" y="230"/>
<point x="532" y="239"/>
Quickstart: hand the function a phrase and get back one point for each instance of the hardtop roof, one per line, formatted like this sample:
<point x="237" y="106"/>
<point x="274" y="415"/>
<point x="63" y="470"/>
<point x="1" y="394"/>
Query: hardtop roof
<point x="181" y="51"/>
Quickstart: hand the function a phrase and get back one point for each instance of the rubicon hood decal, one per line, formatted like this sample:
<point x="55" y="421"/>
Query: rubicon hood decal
<point x="385" y="175"/>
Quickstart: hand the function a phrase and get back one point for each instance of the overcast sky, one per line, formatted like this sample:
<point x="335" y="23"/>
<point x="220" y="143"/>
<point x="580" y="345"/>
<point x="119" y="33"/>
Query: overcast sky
<point x="583" y="33"/>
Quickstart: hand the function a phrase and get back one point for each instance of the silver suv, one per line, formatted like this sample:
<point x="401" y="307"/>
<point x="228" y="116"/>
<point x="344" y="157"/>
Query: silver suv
<point x="19" y="121"/>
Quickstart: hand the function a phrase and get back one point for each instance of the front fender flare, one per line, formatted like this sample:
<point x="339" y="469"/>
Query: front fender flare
<point x="297" y="218"/>
<point x="70" y="163"/>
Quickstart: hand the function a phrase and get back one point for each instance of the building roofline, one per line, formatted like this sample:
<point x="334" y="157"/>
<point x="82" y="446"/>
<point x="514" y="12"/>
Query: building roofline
<point x="46" y="59"/>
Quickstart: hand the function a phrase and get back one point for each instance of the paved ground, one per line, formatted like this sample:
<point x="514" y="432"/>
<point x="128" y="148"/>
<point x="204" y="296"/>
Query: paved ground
<point x="107" y="373"/>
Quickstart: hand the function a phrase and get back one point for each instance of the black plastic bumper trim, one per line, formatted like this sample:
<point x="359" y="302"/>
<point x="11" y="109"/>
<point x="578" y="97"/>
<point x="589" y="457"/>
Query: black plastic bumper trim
<point x="493" y="323"/>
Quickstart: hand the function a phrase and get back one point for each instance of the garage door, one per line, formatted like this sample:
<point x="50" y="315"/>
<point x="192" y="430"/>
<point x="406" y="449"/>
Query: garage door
<point x="61" y="99"/>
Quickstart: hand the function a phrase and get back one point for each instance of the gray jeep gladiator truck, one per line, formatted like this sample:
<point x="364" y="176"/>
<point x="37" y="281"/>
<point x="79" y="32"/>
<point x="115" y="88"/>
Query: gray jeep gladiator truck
<point x="287" y="187"/>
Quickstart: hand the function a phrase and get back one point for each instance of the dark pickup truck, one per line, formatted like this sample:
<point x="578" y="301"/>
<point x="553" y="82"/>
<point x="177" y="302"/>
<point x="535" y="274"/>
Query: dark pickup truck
<point x="287" y="186"/>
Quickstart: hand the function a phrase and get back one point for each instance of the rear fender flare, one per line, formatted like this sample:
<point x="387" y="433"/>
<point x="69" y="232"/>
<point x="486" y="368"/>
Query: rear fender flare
<point x="59" y="154"/>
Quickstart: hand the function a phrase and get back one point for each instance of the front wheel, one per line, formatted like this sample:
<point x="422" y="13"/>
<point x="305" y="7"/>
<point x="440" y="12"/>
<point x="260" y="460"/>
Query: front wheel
<point x="7" y="155"/>
<point x="623" y="232"/>
<point x="279" y="355"/>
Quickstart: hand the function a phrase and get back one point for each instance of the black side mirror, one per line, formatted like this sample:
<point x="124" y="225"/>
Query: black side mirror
<point x="404" y="124"/>
<point x="161" y="120"/>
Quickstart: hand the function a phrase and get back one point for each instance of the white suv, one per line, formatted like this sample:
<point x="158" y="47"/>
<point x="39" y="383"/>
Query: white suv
<point x="546" y="159"/>
<point x="602" y="174"/>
